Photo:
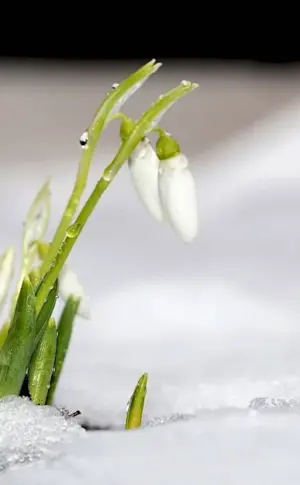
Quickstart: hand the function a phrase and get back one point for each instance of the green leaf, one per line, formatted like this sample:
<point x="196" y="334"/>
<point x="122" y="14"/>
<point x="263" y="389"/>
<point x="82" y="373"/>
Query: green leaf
<point x="7" y="260"/>
<point x="64" y="333"/>
<point x="135" y="409"/>
<point x="3" y="332"/>
<point x="45" y="313"/>
<point x="16" y="351"/>
<point x="41" y="365"/>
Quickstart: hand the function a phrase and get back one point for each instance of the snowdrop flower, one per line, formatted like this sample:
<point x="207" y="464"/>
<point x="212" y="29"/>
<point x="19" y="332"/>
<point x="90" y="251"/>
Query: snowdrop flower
<point x="177" y="189"/>
<point x="144" y="166"/>
<point x="164" y="182"/>
<point x="144" y="169"/>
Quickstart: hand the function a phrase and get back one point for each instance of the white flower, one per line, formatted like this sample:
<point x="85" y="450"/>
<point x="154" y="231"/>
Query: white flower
<point x="178" y="197"/>
<point x="144" y="167"/>
<point x="70" y="286"/>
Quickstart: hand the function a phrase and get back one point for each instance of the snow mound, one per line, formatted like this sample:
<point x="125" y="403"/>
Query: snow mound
<point x="29" y="432"/>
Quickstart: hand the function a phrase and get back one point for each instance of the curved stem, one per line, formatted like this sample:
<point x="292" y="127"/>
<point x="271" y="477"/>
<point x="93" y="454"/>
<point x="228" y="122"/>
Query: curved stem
<point x="159" y="130"/>
<point x="141" y="127"/>
<point x="72" y="204"/>
<point x="113" y="101"/>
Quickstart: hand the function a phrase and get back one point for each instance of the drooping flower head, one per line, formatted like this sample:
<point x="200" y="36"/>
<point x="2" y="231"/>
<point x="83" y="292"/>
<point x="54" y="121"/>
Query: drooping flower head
<point x="164" y="182"/>
<point x="144" y="166"/>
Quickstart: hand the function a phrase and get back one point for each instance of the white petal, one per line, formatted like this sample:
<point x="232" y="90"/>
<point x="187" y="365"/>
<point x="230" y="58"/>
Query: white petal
<point x="70" y="286"/>
<point x="178" y="196"/>
<point x="144" y="167"/>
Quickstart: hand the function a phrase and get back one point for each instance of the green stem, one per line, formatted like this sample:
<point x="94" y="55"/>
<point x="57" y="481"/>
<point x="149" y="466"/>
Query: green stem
<point x="72" y="204"/>
<point x="159" y="130"/>
<point x="113" y="99"/>
<point x="141" y="127"/>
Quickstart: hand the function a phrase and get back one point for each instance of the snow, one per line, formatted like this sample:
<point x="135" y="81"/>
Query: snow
<point x="30" y="433"/>
<point x="215" y="324"/>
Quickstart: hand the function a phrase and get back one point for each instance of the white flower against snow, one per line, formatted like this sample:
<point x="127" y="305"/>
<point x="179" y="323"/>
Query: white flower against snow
<point x="164" y="182"/>
<point x="144" y="168"/>
<point x="177" y="191"/>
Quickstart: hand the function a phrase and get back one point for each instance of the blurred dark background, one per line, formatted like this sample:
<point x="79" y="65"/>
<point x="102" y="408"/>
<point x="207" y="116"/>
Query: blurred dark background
<point x="56" y="64"/>
<point x="123" y="31"/>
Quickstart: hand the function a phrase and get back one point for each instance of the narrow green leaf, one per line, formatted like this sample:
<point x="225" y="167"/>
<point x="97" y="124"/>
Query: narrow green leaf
<point x="134" y="414"/>
<point x="7" y="260"/>
<point x="41" y="365"/>
<point x="3" y="332"/>
<point x="64" y="333"/>
<point x="16" y="351"/>
<point x="45" y="313"/>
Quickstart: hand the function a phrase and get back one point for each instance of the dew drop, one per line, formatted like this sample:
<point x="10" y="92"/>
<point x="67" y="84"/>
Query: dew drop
<point x="84" y="138"/>
<point x="108" y="175"/>
<point x="184" y="82"/>
<point x="115" y="86"/>
<point x="73" y="230"/>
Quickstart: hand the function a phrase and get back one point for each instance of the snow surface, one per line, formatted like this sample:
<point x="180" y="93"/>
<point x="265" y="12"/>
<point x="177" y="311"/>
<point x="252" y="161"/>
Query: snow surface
<point x="29" y="432"/>
<point x="215" y="324"/>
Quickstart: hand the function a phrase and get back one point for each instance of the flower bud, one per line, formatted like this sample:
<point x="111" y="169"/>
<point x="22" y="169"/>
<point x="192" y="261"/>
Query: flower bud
<point x="144" y="166"/>
<point x="177" y="189"/>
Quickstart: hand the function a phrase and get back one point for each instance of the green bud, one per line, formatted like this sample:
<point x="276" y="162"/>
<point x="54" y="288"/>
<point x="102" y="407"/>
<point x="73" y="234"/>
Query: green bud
<point x="167" y="147"/>
<point x="42" y="249"/>
<point x="126" y="127"/>
<point x="135" y="410"/>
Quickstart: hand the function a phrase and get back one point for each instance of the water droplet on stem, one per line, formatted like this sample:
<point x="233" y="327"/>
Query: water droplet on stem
<point x="74" y="230"/>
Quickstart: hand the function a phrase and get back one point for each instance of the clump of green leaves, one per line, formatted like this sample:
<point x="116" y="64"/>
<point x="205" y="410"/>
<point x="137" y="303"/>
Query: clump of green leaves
<point x="33" y="347"/>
